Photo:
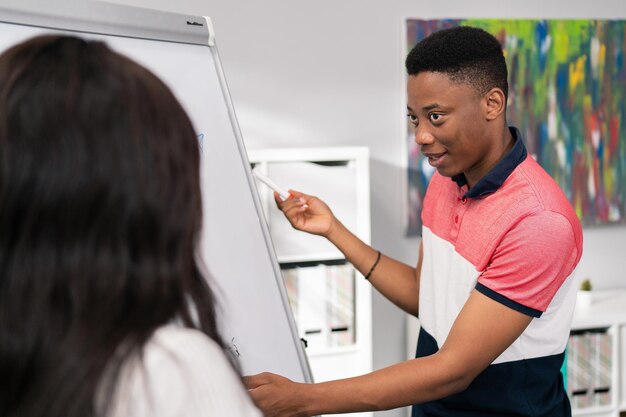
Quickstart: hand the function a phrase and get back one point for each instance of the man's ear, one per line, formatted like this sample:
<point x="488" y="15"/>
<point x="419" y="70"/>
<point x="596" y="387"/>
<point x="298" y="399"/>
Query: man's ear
<point x="495" y="103"/>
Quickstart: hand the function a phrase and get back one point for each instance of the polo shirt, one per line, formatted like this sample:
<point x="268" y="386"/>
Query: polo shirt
<point x="515" y="238"/>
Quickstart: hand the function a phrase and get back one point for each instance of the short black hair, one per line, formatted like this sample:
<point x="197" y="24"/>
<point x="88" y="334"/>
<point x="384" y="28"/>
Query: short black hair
<point x="466" y="54"/>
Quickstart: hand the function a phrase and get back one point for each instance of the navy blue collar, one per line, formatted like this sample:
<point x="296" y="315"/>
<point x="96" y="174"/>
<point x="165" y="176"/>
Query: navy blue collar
<point x="499" y="173"/>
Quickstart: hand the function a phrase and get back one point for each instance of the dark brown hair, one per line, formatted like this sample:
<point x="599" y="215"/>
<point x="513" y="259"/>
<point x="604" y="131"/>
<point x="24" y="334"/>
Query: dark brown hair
<point x="100" y="211"/>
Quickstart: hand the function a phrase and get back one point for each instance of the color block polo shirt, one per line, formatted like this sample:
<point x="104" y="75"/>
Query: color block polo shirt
<point x="515" y="238"/>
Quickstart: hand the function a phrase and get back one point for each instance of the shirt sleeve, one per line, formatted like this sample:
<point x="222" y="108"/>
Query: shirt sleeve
<point x="531" y="263"/>
<point x="183" y="373"/>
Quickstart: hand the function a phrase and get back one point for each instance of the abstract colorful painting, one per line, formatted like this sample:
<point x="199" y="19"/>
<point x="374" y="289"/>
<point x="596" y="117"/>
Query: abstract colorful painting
<point x="567" y="95"/>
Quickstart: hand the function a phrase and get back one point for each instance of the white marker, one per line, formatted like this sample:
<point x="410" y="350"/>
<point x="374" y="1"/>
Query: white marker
<point x="267" y="181"/>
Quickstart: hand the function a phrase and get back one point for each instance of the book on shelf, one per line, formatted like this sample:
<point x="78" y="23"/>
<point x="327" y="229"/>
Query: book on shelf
<point x="588" y="369"/>
<point x="322" y="299"/>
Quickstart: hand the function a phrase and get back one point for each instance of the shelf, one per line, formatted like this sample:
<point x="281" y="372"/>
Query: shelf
<point x="605" y="311"/>
<point x="606" y="308"/>
<point x="327" y="258"/>
<point x="590" y="411"/>
<point x="330" y="301"/>
<point x="339" y="179"/>
<point x="343" y="153"/>
<point x="341" y="350"/>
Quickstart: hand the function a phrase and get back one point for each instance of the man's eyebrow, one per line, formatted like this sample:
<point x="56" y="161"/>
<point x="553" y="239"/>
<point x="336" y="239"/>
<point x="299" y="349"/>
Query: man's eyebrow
<point x="425" y="108"/>
<point x="431" y="106"/>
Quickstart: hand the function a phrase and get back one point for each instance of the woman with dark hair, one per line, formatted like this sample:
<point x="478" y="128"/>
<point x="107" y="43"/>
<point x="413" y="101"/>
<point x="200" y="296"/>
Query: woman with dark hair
<point x="103" y="309"/>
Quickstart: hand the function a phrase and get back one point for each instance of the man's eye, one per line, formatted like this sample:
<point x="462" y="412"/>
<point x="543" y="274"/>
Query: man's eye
<point x="434" y="117"/>
<point x="412" y="118"/>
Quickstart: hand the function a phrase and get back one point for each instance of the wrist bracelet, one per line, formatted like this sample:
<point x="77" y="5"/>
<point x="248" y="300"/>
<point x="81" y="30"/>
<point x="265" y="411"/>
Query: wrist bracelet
<point x="373" y="266"/>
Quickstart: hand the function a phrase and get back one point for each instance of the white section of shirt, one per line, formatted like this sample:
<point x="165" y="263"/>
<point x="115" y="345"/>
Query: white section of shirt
<point x="183" y="373"/>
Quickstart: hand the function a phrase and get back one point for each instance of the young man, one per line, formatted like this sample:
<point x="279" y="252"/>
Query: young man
<point x="493" y="286"/>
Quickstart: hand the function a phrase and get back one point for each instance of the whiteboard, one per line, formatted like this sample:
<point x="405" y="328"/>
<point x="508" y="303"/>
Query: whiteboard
<point x="253" y="314"/>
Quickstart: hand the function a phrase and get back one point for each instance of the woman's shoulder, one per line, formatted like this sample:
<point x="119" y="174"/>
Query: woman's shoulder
<point x="177" y="339"/>
<point x="182" y="372"/>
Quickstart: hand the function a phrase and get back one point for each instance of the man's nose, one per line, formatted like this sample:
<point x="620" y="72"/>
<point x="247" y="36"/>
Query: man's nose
<point x="423" y="136"/>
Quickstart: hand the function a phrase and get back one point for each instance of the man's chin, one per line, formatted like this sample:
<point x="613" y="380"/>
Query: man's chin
<point x="448" y="173"/>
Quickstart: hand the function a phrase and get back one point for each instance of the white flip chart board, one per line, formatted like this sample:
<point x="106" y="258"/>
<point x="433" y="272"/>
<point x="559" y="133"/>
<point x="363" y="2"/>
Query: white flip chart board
<point x="254" y="315"/>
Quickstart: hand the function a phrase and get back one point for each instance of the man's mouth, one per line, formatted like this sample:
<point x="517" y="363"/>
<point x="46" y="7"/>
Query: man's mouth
<point x="435" y="159"/>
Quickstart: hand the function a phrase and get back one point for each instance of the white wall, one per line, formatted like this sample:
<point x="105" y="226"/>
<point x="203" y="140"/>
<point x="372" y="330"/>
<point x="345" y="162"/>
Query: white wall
<point x="331" y="73"/>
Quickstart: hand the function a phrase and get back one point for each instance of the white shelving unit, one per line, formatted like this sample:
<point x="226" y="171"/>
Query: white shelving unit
<point x="605" y="313"/>
<point x="330" y="300"/>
